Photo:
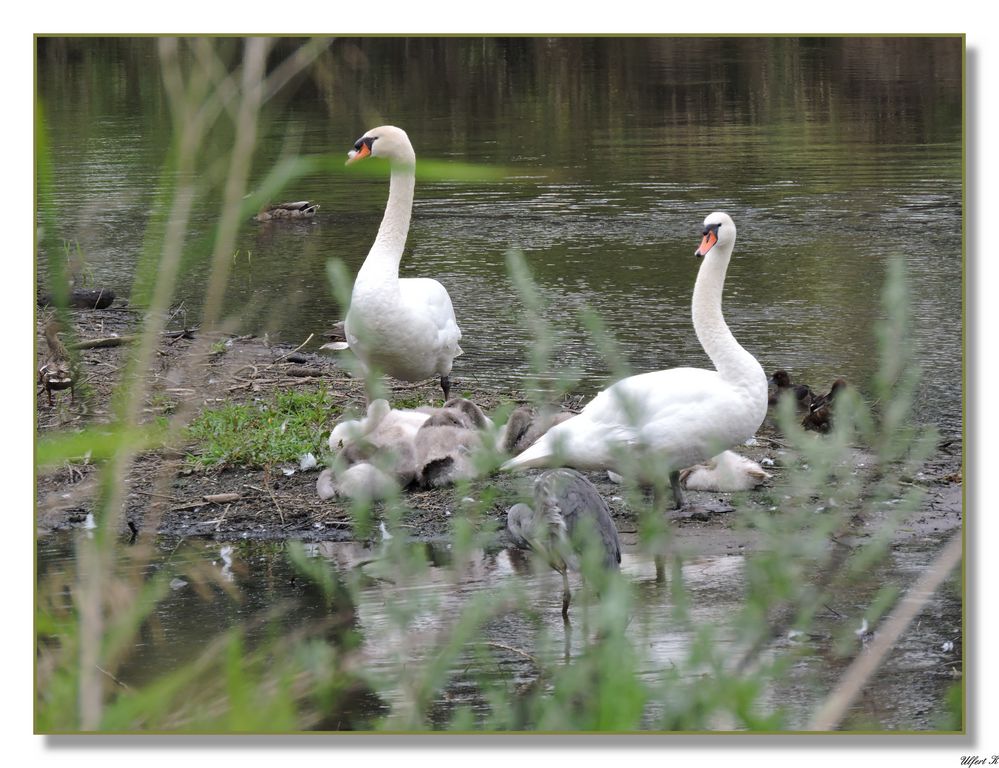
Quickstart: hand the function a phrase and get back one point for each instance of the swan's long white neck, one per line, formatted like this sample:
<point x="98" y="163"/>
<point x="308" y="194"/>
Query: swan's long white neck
<point x="733" y="362"/>
<point x="382" y="263"/>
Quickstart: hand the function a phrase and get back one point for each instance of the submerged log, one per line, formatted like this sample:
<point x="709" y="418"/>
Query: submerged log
<point x="303" y="371"/>
<point x="110" y="341"/>
<point x="82" y="298"/>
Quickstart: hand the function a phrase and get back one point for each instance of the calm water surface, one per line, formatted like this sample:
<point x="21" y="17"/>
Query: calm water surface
<point x="394" y="651"/>
<point x="831" y="156"/>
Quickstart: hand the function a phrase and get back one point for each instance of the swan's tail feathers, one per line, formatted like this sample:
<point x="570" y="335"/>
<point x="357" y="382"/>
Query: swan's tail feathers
<point x="337" y="336"/>
<point x="539" y="454"/>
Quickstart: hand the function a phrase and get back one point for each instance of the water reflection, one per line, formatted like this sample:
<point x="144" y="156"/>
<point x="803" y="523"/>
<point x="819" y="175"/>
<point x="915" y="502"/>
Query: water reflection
<point x="405" y="623"/>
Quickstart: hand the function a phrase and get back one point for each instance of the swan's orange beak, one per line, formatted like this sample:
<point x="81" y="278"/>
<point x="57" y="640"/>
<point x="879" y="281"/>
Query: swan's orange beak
<point x="358" y="154"/>
<point x="710" y="238"/>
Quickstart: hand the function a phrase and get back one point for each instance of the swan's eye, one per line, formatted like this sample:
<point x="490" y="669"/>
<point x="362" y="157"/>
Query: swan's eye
<point x="367" y="141"/>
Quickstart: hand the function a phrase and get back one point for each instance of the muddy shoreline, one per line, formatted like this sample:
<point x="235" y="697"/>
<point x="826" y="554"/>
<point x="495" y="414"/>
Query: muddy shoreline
<point x="165" y="496"/>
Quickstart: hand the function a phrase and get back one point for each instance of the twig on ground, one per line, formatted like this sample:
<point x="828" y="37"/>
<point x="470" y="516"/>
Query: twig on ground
<point x="291" y="352"/>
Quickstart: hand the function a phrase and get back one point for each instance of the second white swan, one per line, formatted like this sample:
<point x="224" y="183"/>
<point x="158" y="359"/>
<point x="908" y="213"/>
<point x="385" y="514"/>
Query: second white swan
<point x="673" y="418"/>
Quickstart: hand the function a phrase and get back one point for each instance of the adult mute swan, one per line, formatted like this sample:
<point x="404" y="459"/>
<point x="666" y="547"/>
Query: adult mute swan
<point x="677" y="417"/>
<point x="403" y="327"/>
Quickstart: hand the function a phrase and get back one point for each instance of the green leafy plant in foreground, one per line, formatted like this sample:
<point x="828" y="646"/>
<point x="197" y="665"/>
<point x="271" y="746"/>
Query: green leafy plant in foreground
<point x="262" y="434"/>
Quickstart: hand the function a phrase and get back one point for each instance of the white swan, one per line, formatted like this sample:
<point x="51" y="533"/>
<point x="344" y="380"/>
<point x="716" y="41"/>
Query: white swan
<point x="677" y="417"/>
<point x="725" y="473"/>
<point x="403" y="327"/>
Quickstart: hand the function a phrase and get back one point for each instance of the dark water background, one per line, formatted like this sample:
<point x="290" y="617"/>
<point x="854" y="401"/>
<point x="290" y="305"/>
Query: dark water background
<point x="831" y="154"/>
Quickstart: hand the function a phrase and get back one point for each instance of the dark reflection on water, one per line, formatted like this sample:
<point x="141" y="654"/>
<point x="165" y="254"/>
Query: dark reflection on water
<point x="831" y="155"/>
<point x="905" y="693"/>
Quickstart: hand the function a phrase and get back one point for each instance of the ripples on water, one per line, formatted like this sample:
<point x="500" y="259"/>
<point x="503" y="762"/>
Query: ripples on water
<point x="393" y="649"/>
<point x="606" y="208"/>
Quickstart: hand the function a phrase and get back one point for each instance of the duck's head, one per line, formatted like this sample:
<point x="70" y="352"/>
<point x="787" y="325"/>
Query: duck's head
<point x="837" y="386"/>
<point x="781" y="379"/>
<point x="719" y="229"/>
<point x="385" y="141"/>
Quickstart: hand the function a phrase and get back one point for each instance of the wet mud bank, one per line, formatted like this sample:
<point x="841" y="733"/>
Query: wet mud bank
<point x="166" y="495"/>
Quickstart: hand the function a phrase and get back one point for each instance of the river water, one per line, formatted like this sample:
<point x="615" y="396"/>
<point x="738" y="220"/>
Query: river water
<point x="406" y="622"/>
<point x="831" y="154"/>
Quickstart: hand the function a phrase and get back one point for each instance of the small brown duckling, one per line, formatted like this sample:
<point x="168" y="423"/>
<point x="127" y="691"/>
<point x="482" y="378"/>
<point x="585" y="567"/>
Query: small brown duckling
<point x="803" y="394"/>
<point x="819" y="416"/>
<point x="298" y="210"/>
<point x="56" y="371"/>
<point x="524" y="426"/>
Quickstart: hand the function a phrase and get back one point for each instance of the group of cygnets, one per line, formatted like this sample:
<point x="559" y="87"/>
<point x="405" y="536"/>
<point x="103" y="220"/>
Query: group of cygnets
<point x="390" y="449"/>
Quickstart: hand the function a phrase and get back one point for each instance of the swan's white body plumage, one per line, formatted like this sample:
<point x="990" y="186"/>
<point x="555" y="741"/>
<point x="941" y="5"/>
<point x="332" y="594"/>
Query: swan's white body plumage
<point x="404" y="327"/>
<point x="675" y="417"/>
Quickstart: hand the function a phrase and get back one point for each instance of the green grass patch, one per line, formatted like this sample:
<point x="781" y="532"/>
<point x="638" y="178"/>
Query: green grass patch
<point x="263" y="433"/>
<point x="411" y="402"/>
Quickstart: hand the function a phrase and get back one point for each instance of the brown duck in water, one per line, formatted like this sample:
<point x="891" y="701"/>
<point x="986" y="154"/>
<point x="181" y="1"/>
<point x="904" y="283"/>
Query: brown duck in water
<point x="56" y="371"/>
<point x="302" y="209"/>
<point x="819" y="416"/>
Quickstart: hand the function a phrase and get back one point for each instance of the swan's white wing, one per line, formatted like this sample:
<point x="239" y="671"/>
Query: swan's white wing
<point x="684" y="414"/>
<point x="656" y="395"/>
<point x="429" y="299"/>
<point x="411" y="335"/>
